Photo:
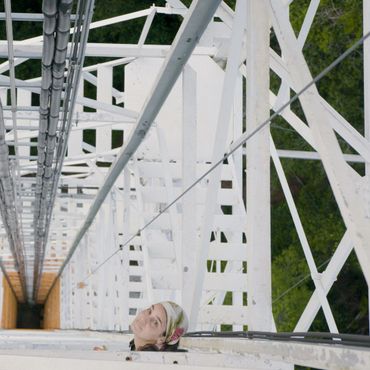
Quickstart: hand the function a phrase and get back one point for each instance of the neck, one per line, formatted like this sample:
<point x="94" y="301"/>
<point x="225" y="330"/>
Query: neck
<point x="140" y="343"/>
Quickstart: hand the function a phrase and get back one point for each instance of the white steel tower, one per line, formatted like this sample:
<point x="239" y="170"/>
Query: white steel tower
<point x="179" y="209"/>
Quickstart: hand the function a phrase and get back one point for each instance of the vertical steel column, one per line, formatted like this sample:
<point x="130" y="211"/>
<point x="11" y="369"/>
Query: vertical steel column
<point x="147" y="275"/>
<point x="89" y="288"/>
<point x="76" y="136"/>
<point x="170" y="195"/>
<point x="366" y="29"/>
<point x="103" y="282"/>
<point x="236" y="165"/>
<point x="219" y="147"/>
<point x="115" y="263"/>
<point x="65" y="297"/>
<point x="124" y="254"/>
<point x="79" y="290"/>
<point x="94" y="280"/>
<point x="16" y="239"/>
<point x="104" y="95"/>
<point x="85" y="294"/>
<point x="73" y="294"/>
<point x="258" y="168"/>
<point x="109" y="269"/>
<point x="189" y="168"/>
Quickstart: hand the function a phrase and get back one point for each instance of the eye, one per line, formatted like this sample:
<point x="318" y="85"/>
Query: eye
<point x="149" y="311"/>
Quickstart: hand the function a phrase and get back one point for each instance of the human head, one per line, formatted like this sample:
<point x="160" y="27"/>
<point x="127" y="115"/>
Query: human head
<point x="159" y="326"/>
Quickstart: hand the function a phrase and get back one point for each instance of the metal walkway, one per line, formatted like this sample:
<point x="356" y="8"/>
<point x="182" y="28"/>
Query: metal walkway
<point x="83" y="350"/>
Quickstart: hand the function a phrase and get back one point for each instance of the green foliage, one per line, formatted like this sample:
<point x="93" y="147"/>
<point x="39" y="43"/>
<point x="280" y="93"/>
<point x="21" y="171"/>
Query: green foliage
<point x="289" y="268"/>
<point x="162" y="31"/>
<point x="336" y="27"/>
<point x="23" y="30"/>
<point x="351" y="300"/>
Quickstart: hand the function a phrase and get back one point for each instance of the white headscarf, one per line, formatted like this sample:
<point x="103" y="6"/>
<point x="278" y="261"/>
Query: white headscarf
<point x="177" y="322"/>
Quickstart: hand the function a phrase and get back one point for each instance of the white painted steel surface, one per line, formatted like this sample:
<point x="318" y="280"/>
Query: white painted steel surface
<point x="366" y="48"/>
<point x="210" y="251"/>
<point x="258" y="229"/>
<point x="72" y="349"/>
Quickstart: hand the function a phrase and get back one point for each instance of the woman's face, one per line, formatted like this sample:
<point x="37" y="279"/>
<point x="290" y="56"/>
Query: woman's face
<point x="149" y="326"/>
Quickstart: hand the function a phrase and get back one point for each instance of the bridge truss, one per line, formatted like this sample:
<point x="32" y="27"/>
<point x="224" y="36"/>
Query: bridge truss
<point x="180" y="208"/>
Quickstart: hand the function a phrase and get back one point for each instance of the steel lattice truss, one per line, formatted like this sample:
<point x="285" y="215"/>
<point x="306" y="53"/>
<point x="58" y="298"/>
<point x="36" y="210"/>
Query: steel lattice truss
<point x="74" y="204"/>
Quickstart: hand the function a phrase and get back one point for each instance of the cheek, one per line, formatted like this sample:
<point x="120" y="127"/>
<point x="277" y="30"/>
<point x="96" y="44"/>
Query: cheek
<point x="135" y="327"/>
<point x="151" y="332"/>
<point x="139" y="316"/>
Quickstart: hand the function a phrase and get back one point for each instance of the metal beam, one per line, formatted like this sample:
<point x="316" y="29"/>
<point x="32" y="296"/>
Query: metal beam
<point x="13" y="219"/>
<point x="51" y="175"/>
<point x="191" y="30"/>
<point x="258" y="229"/>
<point x="31" y="17"/>
<point x="328" y="356"/>
<point x="34" y="50"/>
<point x="366" y="53"/>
